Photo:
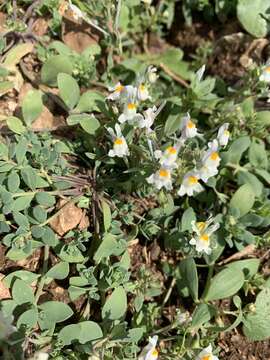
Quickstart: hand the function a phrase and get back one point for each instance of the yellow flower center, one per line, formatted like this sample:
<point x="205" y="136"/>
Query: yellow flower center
<point x="204" y="237"/>
<point x="214" y="156"/>
<point x="131" y="106"/>
<point x="154" y="352"/>
<point x="206" y="357"/>
<point x="226" y="132"/>
<point x="201" y="225"/>
<point x="119" y="88"/>
<point x="190" y="124"/>
<point x="164" y="173"/>
<point x="142" y="87"/>
<point x="267" y="69"/>
<point x="171" y="150"/>
<point x="118" y="141"/>
<point x="192" y="180"/>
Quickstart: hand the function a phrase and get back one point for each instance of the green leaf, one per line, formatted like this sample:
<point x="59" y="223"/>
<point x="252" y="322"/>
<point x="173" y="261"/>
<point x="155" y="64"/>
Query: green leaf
<point x="106" y="248"/>
<point x="28" y="318"/>
<point x="201" y="315"/>
<point x="39" y="214"/>
<point x="29" y="177"/>
<point x="243" y="199"/>
<point x="21" y="220"/>
<point x="187" y="218"/>
<point x="257" y="154"/>
<point x="82" y="332"/>
<point x="174" y="119"/>
<point x="22" y="202"/>
<point x="225" y="284"/>
<point x="107" y="217"/>
<point x="256" y="324"/>
<point x="22" y="292"/>
<point x="245" y="177"/>
<point x="263" y="118"/>
<point x="16" y="53"/>
<point x="56" y="311"/>
<point x="32" y="106"/>
<point x="69" y="90"/>
<point x="88" y="122"/>
<point x="13" y="182"/>
<point x="248" y="267"/>
<point x="45" y="199"/>
<point x="236" y="150"/>
<point x="59" y="271"/>
<point x="115" y="305"/>
<point x="189" y="274"/>
<point x="90" y="101"/>
<point x="48" y="237"/>
<point x="252" y="15"/>
<point x="5" y="87"/>
<point x="24" y="275"/>
<point x="53" y="66"/>
<point x="15" y="125"/>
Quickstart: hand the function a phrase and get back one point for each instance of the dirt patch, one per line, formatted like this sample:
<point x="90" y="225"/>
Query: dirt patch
<point x="236" y="346"/>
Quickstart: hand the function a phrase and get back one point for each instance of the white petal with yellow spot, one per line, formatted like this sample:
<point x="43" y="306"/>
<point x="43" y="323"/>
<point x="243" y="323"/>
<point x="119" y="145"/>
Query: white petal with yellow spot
<point x="150" y="352"/>
<point x="190" y="184"/>
<point x="120" y="147"/>
<point x="223" y="134"/>
<point x="188" y="128"/>
<point x="161" y="178"/>
<point x="207" y="354"/>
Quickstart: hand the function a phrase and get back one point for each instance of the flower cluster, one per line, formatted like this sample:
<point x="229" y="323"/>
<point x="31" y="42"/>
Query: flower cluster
<point x="129" y="97"/>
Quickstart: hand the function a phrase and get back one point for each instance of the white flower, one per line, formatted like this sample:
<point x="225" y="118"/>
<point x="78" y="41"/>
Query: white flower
<point x="116" y="91"/>
<point x="168" y="157"/>
<point x="200" y="72"/>
<point x="207" y="354"/>
<point x="120" y="147"/>
<point x="152" y="74"/>
<point x="76" y="12"/>
<point x="211" y="157"/>
<point x="203" y="231"/>
<point x="265" y="75"/>
<point x="40" y="356"/>
<point x="130" y="113"/>
<point x="190" y="184"/>
<point x="188" y="128"/>
<point x="183" y="318"/>
<point x="6" y="329"/>
<point x="150" y="352"/>
<point x="161" y="178"/>
<point x="207" y="172"/>
<point x="148" y="118"/>
<point x="223" y="135"/>
<point x="148" y="2"/>
<point x="142" y="92"/>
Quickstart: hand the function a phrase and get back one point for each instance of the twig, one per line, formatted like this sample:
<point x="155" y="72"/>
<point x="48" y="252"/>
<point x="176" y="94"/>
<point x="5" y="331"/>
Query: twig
<point x="168" y="294"/>
<point x="14" y="8"/>
<point x="173" y="75"/>
<point x="247" y="251"/>
<point x="30" y="9"/>
<point x="118" y="10"/>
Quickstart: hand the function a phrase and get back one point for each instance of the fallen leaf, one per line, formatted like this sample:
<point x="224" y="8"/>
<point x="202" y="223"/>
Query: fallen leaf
<point x="40" y="27"/>
<point x="69" y="218"/>
<point x="4" y="291"/>
<point x="78" y="36"/>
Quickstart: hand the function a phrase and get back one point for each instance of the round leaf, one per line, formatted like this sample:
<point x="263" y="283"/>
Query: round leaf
<point x="69" y="90"/>
<point x="116" y="305"/>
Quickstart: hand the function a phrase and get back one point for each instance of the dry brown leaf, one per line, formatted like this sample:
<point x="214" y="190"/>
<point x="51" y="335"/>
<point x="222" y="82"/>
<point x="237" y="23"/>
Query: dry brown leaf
<point x="69" y="218"/>
<point x="40" y="27"/>
<point x="4" y="291"/>
<point x="78" y="36"/>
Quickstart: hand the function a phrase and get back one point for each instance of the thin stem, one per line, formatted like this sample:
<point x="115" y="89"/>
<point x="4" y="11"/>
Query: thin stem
<point x="168" y="294"/>
<point x="44" y="271"/>
<point x="208" y="281"/>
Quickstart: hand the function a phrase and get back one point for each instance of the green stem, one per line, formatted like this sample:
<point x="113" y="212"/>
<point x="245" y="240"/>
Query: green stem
<point x="44" y="271"/>
<point x="208" y="280"/>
